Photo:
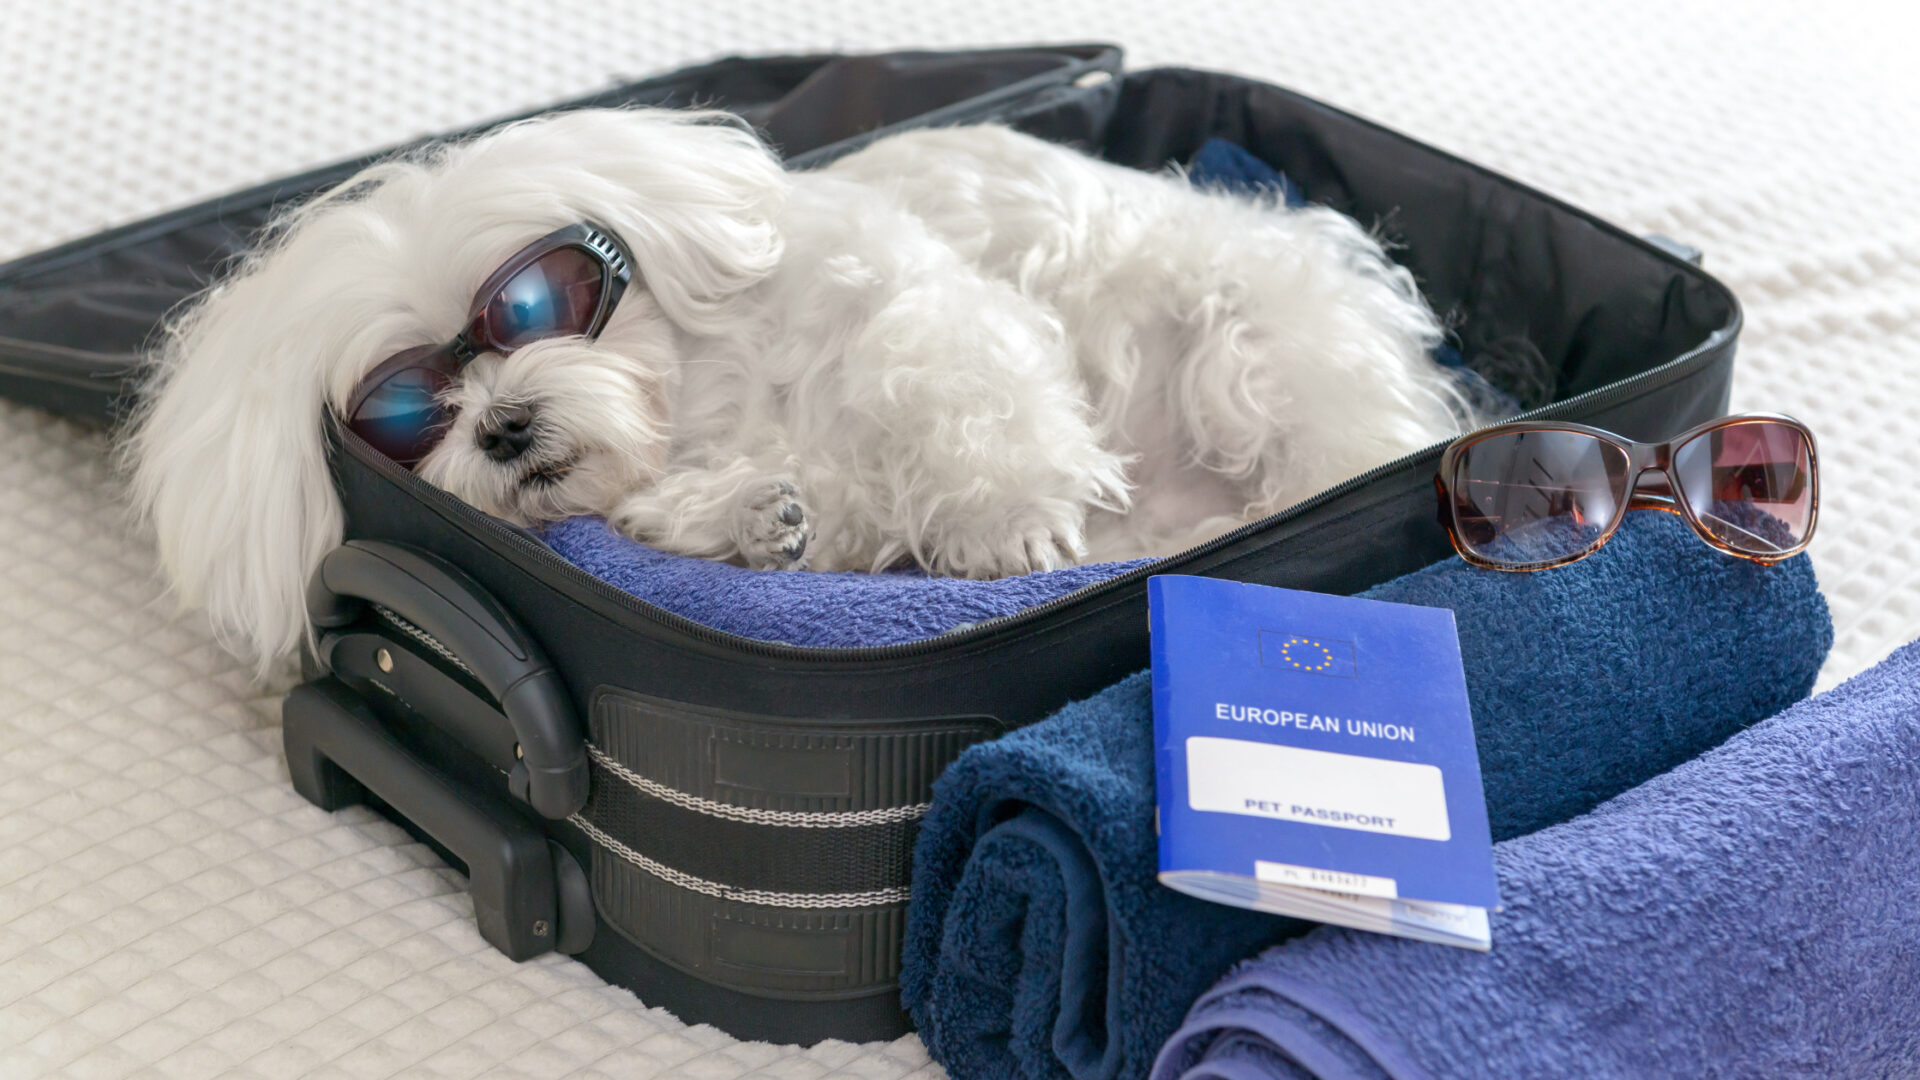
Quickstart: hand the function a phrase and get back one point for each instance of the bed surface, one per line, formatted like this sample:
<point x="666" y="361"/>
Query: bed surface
<point x="168" y="905"/>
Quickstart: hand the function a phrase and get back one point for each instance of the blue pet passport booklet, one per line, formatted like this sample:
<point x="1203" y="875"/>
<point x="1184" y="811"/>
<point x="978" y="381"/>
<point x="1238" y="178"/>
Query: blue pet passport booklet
<point x="1315" y="758"/>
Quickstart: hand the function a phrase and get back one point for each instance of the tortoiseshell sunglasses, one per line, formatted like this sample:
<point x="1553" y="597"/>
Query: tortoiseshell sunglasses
<point x="1539" y="494"/>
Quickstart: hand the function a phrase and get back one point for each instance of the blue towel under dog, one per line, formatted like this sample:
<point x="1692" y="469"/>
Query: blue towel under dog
<point x="830" y="610"/>
<point x="1039" y="944"/>
<point x="1749" y="914"/>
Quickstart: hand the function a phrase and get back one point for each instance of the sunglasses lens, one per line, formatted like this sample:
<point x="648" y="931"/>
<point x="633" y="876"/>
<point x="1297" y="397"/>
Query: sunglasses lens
<point x="556" y="295"/>
<point x="402" y="416"/>
<point x="1533" y="498"/>
<point x="1749" y="485"/>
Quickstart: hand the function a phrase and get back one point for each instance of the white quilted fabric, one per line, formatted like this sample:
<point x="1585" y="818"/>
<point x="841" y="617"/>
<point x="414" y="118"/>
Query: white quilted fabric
<point x="168" y="906"/>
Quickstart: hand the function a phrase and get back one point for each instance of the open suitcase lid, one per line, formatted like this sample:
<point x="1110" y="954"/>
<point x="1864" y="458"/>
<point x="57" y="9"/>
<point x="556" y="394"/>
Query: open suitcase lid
<point x="74" y="319"/>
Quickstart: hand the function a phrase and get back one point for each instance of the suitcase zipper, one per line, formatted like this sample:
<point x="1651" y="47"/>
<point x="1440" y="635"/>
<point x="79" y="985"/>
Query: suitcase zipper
<point x="564" y="577"/>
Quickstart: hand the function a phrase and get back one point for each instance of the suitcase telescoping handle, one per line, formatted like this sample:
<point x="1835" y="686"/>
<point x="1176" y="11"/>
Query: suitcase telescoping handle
<point x="454" y="611"/>
<point x="529" y="895"/>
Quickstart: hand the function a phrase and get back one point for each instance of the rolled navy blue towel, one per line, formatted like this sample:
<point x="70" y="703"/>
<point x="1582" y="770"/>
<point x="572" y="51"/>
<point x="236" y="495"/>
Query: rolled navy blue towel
<point x="1749" y="914"/>
<point x="1040" y="945"/>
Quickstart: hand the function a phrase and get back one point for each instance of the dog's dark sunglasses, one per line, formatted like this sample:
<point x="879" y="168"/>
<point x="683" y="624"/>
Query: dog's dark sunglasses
<point x="564" y="284"/>
<point x="1533" y="495"/>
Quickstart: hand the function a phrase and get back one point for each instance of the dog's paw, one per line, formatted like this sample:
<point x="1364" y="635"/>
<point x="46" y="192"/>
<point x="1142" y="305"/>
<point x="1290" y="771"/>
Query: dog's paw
<point x="1025" y="543"/>
<point x="773" y="528"/>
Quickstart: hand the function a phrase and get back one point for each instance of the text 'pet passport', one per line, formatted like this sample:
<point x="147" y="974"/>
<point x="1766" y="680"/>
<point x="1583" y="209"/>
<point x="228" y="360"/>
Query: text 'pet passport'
<point x="1315" y="758"/>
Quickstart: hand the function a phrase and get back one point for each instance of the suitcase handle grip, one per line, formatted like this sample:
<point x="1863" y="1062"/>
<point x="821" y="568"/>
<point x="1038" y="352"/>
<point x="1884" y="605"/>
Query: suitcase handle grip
<point x="529" y="894"/>
<point x="456" y="612"/>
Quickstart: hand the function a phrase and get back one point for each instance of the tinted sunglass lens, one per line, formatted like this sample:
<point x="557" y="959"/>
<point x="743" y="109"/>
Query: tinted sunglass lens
<point x="403" y="417"/>
<point x="1531" y="498"/>
<point x="1749" y="485"/>
<point x="556" y="295"/>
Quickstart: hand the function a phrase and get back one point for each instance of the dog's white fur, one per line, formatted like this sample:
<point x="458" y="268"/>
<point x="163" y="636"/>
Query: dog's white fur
<point x="966" y="347"/>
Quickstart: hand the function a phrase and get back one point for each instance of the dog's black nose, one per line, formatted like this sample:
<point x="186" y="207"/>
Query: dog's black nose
<point x="505" y="433"/>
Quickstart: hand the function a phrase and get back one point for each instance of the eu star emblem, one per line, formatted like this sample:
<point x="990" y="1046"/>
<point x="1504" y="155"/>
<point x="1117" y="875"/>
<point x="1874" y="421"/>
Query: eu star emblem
<point x="1306" y="654"/>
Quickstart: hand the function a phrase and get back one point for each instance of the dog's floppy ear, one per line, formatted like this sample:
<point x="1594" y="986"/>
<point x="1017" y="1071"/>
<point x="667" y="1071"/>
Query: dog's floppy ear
<point x="226" y="451"/>
<point x="695" y="195"/>
<point x="229" y="470"/>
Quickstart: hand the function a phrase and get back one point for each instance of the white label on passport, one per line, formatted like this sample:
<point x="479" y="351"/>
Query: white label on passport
<point x="1312" y="877"/>
<point x="1316" y="787"/>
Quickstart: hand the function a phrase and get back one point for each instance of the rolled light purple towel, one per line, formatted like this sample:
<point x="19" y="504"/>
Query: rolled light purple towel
<point x="1749" y="914"/>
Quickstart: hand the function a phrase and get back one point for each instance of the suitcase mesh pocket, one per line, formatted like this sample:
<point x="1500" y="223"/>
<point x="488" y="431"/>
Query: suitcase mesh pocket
<point x="758" y="852"/>
<point x="832" y="856"/>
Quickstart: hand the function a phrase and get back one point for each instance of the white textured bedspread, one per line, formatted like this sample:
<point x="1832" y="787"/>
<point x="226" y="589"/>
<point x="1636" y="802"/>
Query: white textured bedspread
<point x="169" y="907"/>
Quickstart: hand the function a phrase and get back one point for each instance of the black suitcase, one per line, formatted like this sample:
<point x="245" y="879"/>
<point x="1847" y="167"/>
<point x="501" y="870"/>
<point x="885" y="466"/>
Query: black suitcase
<point x="725" y="825"/>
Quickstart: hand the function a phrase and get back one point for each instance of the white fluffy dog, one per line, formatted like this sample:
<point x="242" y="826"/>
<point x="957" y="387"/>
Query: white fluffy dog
<point x="966" y="348"/>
